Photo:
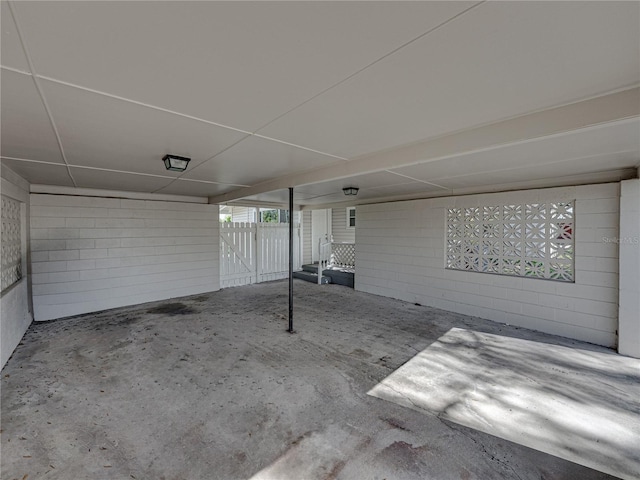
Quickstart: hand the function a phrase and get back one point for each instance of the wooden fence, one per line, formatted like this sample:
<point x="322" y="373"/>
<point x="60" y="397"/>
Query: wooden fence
<point x="256" y="252"/>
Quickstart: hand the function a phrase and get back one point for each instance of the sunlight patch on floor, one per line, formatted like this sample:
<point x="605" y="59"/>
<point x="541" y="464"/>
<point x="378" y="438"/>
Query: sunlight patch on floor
<point x="580" y="405"/>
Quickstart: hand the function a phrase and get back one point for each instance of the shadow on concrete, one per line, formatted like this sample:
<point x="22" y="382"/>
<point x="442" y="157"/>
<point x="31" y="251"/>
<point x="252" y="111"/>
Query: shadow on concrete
<point x="212" y="386"/>
<point x="580" y="405"/>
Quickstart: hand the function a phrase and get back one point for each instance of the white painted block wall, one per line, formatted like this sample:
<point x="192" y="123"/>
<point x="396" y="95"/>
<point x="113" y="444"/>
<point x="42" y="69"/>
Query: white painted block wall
<point x="15" y="314"/>
<point x="629" y="242"/>
<point x="91" y="253"/>
<point x="400" y="254"/>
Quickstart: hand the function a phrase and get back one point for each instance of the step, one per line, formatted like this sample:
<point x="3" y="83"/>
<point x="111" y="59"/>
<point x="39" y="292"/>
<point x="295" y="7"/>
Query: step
<point x="312" y="268"/>
<point x="337" y="275"/>
<point x="340" y="278"/>
<point x="311" y="277"/>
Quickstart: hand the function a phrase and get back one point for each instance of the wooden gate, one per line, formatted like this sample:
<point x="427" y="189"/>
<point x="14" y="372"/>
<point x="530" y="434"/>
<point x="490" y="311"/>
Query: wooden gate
<point x="256" y="252"/>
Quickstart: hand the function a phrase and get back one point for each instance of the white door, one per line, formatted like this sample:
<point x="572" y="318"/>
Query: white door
<point x="320" y="228"/>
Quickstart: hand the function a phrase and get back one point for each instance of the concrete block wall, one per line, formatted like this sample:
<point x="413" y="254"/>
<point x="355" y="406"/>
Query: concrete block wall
<point x="15" y="308"/>
<point x="400" y="254"/>
<point x="93" y="253"/>
<point x="629" y="244"/>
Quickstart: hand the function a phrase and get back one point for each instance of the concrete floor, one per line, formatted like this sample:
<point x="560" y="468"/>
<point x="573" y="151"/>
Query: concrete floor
<point x="212" y="387"/>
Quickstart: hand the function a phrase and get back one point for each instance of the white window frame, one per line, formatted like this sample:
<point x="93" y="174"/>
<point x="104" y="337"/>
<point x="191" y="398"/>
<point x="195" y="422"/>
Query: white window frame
<point x="349" y="210"/>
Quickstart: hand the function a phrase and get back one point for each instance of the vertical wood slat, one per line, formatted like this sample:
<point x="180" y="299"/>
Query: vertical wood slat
<point x="253" y="253"/>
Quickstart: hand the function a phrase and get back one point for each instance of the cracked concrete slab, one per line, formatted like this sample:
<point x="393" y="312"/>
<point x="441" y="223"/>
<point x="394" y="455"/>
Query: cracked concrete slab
<point x="211" y="386"/>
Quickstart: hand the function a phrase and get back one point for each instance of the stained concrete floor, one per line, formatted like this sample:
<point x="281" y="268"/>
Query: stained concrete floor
<point x="212" y="387"/>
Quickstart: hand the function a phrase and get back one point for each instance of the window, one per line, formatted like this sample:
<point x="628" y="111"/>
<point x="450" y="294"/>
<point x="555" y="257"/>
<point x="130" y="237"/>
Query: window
<point x="11" y="242"/>
<point x="274" y="216"/>
<point x="530" y="240"/>
<point x="351" y="217"/>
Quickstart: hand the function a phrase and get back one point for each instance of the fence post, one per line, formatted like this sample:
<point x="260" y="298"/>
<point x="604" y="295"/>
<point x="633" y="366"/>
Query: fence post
<point x="258" y="246"/>
<point x="320" y="261"/>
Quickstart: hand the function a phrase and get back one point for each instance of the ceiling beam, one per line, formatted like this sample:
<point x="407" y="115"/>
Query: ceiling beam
<point x="95" y="192"/>
<point x="614" y="107"/>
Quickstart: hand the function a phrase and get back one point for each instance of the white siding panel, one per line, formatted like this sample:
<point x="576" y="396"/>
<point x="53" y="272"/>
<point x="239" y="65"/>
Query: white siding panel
<point x="306" y="236"/>
<point x="339" y="229"/>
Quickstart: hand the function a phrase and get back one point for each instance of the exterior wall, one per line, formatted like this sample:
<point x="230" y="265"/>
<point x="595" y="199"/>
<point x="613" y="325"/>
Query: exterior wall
<point x="400" y="254"/>
<point x="92" y="253"/>
<point x="243" y="214"/>
<point x="339" y="228"/>
<point x="629" y="243"/>
<point x="306" y="236"/>
<point x="15" y="311"/>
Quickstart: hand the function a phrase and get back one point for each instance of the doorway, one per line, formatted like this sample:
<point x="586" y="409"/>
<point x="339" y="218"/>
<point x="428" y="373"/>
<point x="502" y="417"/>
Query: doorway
<point x="320" y="229"/>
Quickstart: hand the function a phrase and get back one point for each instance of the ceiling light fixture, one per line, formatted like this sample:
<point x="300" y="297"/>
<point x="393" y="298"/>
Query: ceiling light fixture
<point x="350" y="190"/>
<point x="176" y="163"/>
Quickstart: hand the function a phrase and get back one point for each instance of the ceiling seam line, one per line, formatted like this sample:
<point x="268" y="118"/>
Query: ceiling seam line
<point x="416" y="179"/>
<point x="214" y="156"/>
<point x="508" y="143"/>
<point x="40" y="91"/>
<point x="184" y="115"/>
<point x="422" y="35"/>
<point x="16" y="70"/>
<point x="212" y="182"/>
<point x="4" y="157"/>
<point x="27" y="160"/>
<point x="86" y="167"/>
<point x="520" y="116"/>
<point x="139" y="103"/>
<point x="299" y="146"/>
<point x="526" y="141"/>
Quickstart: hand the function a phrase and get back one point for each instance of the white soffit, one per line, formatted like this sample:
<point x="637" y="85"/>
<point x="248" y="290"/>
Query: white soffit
<point x="541" y="154"/>
<point x="556" y="181"/>
<point x="363" y="182"/>
<point x="256" y="159"/>
<point x="496" y="61"/>
<point x="236" y="63"/>
<point x="200" y="189"/>
<point x="105" y="180"/>
<point x="408" y="188"/>
<point x="579" y="166"/>
<point x="403" y="189"/>
<point x="42" y="173"/>
<point x="11" y="52"/>
<point x="100" y="131"/>
<point x="615" y="109"/>
<point x="26" y="129"/>
<point x="277" y="197"/>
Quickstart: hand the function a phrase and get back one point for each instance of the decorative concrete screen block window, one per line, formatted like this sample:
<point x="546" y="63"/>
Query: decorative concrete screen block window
<point x="11" y="243"/>
<point x="531" y="240"/>
<point x="351" y="217"/>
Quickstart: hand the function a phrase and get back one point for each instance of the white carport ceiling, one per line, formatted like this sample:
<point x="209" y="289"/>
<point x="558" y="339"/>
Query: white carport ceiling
<point x="320" y="95"/>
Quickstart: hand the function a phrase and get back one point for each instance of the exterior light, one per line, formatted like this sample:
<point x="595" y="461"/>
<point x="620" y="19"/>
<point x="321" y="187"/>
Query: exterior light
<point x="175" y="163"/>
<point x="350" y="190"/>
